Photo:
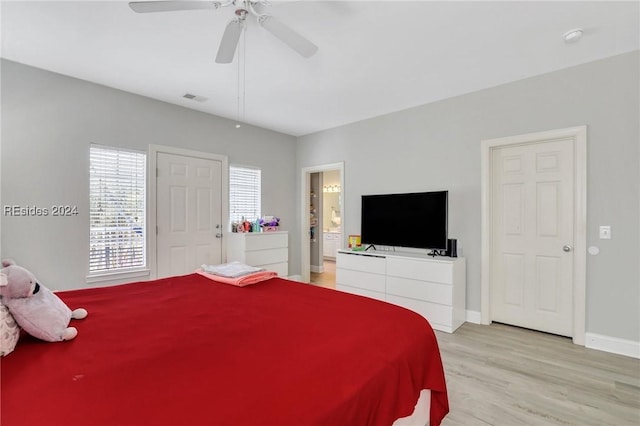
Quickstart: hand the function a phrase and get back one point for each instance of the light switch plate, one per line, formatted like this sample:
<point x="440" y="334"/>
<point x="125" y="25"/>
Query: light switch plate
<point x="605" y="232"/>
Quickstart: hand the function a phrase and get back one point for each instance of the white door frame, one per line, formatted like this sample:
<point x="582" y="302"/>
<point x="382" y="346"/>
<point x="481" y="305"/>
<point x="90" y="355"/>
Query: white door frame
<point x="579" y="136"/>
<point x="305" y="239"/>
<point x="152" y="176"/>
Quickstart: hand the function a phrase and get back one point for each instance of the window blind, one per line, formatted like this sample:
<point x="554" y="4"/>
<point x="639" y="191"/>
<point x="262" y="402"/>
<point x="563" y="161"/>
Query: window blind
<point x="117" y="234"/>
<point x="244" y="193"/>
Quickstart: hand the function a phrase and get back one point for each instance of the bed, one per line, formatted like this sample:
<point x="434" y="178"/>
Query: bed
<point x="190" y="351"/>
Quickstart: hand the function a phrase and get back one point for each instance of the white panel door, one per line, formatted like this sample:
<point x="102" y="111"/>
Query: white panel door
<point x="532" y="256"/>
<point x="188" y="213"/>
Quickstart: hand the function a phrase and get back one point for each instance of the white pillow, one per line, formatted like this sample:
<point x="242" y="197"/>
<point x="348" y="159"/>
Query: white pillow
<point x="9" y="331"/>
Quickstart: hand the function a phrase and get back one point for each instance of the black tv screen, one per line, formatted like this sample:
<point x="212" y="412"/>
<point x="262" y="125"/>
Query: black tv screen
<point x="416" y="220"/>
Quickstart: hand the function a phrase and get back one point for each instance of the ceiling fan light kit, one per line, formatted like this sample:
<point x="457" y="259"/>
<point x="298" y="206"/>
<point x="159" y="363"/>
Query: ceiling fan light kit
<point x="234" y="28"/>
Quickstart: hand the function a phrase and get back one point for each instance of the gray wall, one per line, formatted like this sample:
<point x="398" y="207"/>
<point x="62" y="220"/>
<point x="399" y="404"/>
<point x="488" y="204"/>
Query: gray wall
<point x="437" y="146"/>
<point x="48" y="122"/>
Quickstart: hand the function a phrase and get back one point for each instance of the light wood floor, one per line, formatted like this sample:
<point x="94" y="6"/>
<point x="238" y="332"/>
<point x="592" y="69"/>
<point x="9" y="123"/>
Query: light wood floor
<point x="503" y="375"/>
<point x="327" y="278"/>
<point x="507" y="376"/>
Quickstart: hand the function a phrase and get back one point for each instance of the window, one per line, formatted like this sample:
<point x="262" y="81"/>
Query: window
<point x="117" y="230"/>
<point x="244" y="193"/>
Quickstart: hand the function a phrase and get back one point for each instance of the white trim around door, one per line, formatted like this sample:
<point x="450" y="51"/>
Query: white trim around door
<point x="579" y="137"/>
<point x="305" y="240"/>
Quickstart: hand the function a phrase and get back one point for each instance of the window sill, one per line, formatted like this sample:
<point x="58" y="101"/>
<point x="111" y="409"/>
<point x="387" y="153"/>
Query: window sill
<point x="117" y="275"/>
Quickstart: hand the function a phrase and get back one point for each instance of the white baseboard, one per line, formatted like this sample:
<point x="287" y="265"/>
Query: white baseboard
<point x="599" y="342"/>
<point x="473" y="317"/>
<point x="294" y="277"/>
<point x="316" y="269"/>
<point x="613" y="345"/>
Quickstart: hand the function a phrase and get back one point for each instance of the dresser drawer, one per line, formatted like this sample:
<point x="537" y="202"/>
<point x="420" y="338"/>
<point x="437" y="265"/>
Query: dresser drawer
<point x="359" y="279"/>
<point x="434" y="288"/>
<point x="361" y="292"/>
<point x="421" y="290"/>
<point x="282" y="269"/>
<point x="265" y="257"/>
<point x="266" y="240"/>
<point x="356" y="262"/>
<point x="424" y="270"/>
<point x="439" y="316"/>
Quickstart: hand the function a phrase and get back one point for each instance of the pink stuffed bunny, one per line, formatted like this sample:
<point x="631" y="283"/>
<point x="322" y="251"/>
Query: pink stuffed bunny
<point x="35" y="308"/>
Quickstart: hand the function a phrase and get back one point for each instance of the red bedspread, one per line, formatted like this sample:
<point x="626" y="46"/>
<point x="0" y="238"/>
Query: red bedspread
<point x="189" y="351"/>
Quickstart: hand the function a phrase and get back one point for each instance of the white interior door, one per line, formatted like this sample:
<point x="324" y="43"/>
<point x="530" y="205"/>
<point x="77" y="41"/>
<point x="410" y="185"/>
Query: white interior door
<point x="532" y="208"/>
<point x="188" y="213"/>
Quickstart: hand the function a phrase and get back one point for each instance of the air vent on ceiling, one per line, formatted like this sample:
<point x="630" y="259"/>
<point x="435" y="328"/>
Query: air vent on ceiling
<point x="194" y="97"/>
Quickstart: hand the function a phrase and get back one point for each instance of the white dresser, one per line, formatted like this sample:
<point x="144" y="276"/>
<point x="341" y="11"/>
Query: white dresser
<point x="269" y="250"/>
<point x="433" y="287"/>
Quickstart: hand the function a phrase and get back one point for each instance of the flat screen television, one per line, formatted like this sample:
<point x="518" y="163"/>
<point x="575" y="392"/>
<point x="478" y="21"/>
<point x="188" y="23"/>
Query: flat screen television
<point x="415" y="220"/>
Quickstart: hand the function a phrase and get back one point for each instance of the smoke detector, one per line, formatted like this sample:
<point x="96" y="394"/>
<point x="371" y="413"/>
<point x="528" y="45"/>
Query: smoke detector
<point x="573" y="35"/>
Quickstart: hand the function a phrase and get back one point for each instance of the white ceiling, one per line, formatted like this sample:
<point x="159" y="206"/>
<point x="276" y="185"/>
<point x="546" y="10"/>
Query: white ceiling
<point x="374" y="57"/>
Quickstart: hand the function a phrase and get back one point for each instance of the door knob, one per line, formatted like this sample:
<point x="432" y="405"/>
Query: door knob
<point x="566" y="248"/>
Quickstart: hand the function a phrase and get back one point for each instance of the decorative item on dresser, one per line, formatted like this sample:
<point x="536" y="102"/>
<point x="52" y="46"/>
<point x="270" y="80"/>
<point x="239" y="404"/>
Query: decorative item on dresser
<point x="268" y="250"/>
<point x="433" y="287"/>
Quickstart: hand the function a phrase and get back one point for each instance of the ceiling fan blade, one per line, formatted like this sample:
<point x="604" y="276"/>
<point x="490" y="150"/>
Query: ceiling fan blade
<point x="229" y="41"/>
<point x="288" y="36"/>
<point x="169" y="6"/>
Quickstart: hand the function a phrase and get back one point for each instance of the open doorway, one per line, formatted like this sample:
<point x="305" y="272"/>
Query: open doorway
<point x="322" y="233"/>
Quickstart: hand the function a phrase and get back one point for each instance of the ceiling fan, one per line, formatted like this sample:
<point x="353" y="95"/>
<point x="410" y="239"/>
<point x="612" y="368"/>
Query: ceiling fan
<point x="234" y="28"/>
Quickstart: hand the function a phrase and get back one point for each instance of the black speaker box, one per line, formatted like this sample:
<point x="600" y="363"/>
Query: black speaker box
<point x="452" y="247"/>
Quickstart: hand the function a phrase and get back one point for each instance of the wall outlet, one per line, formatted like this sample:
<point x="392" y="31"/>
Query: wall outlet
<point x="605" y="232"/>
